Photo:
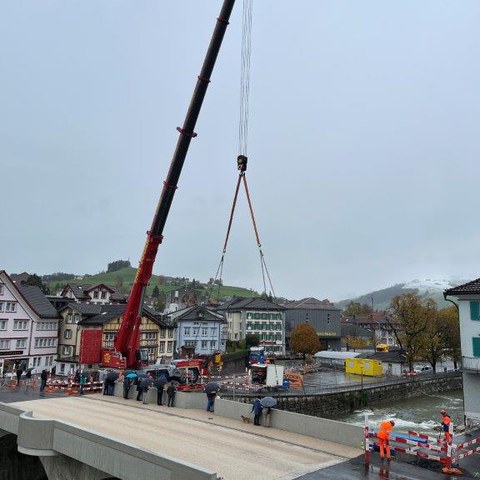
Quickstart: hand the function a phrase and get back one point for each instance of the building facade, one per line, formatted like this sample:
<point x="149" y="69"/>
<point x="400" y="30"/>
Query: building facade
<point x="28" y="327"/>
<point x="322" y="315"/>
<point x="468" y="301"/>
<point x="199" y="330"/>
<point x="256" y="316"/>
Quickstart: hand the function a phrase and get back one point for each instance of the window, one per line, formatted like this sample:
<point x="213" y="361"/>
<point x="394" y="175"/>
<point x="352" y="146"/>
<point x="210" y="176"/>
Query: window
<point x="95" y="294"/>
<point x="109" y="337"/>
<point x="1" y="288"/>
<point x="10" y="307"/>
<point x="150" y="336"/>
<point x="67" y="334"/>
<point x="162" y="333"/>
<point x="66" y="351"/>
<point x="195" y="332"/>
<point x="170" y="333"/>
<point x="190" y="343"/>
<point x="20" y="324"/>
<point x="4" y="344"/>
<point x="476" y="347"/>
<point x="3" y="324"/>
<point x="204" y="343"/>
<point x="162" y="348"/>
<point x="104" y="295"/>
<point x="475" y="310"/>
<point x="69" y="318"/>
<point x="21" y="343"/>
<point x="44" y="342"/>
<point x="170" y="347"/>
<point x="213" y="344"/>
<point x="46" y="325"/>
<point x="204" y="331"/>
<point x="186" y="331"/>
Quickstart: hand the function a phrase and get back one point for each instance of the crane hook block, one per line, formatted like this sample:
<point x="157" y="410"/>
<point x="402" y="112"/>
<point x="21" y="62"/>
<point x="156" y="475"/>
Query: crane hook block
<point x="242" y="163"/>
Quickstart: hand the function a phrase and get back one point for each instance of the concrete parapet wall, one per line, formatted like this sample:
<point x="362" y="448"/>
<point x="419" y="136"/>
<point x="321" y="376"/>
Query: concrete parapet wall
<point x="331" y="404"/>
<point x="316" y="427"/>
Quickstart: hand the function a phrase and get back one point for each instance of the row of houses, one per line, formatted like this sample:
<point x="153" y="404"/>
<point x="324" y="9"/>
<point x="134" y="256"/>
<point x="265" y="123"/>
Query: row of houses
<point x="38" y="331"/>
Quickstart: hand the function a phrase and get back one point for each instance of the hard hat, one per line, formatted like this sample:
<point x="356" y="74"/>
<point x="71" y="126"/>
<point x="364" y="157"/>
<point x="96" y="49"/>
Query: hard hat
<point x="443" y="410"/>
<point x="392" y="422"/>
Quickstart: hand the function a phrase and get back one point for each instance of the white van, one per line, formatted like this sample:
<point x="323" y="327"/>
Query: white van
<point x="423" y="369"/>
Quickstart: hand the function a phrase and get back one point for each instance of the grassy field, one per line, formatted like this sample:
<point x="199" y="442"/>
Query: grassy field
<point x="127" y="276"/>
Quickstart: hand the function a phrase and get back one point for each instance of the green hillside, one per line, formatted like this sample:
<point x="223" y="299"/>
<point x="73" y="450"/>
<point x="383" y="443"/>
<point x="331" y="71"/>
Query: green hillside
<point x="123" y="279"/>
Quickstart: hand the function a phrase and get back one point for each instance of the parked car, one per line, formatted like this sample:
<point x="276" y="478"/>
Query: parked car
<point x="423" y="369"/>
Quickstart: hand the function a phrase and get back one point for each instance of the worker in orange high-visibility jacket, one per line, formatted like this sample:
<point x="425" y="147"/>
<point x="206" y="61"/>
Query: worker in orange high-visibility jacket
<point x="383" y="436"/>
<point x="446" y="424"/>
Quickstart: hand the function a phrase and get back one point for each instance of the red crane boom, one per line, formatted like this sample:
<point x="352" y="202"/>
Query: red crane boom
<point x="127" y="342"/>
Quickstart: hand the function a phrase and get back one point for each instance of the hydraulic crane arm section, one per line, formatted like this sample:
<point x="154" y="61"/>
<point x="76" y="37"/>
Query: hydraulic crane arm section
<point x="128" y="339"/>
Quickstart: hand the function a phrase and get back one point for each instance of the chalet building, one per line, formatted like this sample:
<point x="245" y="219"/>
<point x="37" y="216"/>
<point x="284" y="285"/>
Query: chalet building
<point x="468" y="298"/>
<point x="99" y="294"/>
<point x="156" y="336"/>
<point x="322" y="315"/>
<point x="199" y="331"/>
<point x="28" y="327"/>
<point x="256" y="316"/>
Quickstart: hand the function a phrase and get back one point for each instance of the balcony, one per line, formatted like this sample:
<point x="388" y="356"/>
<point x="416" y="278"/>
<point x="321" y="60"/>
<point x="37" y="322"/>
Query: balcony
<point x="471" y="364"/>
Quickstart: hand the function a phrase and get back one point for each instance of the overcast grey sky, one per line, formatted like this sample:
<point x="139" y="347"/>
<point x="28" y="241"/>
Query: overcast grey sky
<point x="363" y="149"/>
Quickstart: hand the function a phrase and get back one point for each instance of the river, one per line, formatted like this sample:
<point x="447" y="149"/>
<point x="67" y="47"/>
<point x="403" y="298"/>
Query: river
<point x="420" y="413"/>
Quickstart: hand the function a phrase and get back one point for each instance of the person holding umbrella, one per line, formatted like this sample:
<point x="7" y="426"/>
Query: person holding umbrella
<point x="257" y="410"/>
<point x="144" y="385"/>
<point x="268" y="403"/>
<point x="211" y="390"/>
<point x="159" y="384"/>
<point x="127" y="383"/>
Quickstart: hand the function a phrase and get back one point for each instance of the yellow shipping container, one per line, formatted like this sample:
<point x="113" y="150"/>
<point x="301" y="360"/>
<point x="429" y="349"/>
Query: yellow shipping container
<point x="364" y="366"/>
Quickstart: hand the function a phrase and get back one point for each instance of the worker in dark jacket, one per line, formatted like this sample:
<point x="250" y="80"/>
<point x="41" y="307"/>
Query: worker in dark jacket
<point x="171" y="390"/>
<point x="144" y="386"/>
<point x="257" y="410"/>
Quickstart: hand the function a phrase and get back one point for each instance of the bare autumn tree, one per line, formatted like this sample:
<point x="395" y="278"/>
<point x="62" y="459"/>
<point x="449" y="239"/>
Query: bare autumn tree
<point x="411" y="317"/>
<point x="448" y="318"/>
<point x="434" y="345"/>
<point x="304" y="339"/>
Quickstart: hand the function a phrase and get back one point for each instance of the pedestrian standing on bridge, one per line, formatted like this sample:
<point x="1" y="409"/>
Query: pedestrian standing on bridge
<point x="171" y="390"/>
<point x="159" y="384"/>
<point x="19" y="376"/>
<point x="257" y="410"/>
<point x="43" y="380"/>
<point x="384" y="436"/>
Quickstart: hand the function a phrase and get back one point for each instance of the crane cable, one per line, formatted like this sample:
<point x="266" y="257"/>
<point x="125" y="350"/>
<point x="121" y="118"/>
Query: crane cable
<point x="243" y="148"/>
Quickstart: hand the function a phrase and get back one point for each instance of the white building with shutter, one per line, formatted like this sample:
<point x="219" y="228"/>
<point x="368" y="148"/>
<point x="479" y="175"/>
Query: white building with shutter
<point x="468" y="299"/>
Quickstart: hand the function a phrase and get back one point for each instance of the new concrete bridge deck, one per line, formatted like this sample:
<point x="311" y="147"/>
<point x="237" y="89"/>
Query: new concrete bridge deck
<point x="225" y="446"/>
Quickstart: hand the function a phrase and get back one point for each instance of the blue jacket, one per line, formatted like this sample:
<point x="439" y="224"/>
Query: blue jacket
<point x="257" y="407"/>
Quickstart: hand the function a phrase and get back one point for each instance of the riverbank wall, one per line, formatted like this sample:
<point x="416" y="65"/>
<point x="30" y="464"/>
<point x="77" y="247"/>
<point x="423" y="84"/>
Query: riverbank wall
<point x="331" y="404"/>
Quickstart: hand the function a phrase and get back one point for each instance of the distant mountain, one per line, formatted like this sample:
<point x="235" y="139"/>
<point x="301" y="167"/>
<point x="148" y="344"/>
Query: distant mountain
<point x="428" y="288"/>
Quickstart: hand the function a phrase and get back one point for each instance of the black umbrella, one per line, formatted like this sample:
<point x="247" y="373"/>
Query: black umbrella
<point x="212" y="387"/>
<point x="112" y="376"/>
<point x="145" y="383"/>
<point x="268" y="402"/>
